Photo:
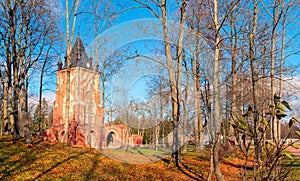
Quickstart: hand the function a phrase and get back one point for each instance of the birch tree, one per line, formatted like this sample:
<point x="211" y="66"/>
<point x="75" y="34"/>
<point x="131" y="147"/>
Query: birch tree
<point x="217" y="42"/>
<point x="216" y="91"/>
<point x="71" y="17"/>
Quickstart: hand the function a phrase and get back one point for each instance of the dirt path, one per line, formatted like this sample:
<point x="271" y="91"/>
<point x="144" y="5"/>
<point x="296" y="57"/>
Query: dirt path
<point x="294" y="151"/>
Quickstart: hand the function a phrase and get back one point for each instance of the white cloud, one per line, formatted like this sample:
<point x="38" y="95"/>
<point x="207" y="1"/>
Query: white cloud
<point x="291" y="93"/>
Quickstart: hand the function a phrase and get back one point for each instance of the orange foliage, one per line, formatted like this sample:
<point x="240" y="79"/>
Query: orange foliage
<point x="46" y="161"/>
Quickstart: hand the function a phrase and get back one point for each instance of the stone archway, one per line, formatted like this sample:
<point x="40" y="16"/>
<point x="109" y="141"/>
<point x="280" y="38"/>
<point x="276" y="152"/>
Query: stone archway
<point x="61" y="136"/>
<point x="91" y="138"/>
<point x="94" y="137"/>
<point x="112" y="139"/>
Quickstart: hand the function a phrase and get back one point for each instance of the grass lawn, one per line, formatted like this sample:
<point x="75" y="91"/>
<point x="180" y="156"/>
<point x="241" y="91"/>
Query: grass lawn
<point x="137" y="156"/>
<point x="295" y="173"/>
<point x="53" y="161"/>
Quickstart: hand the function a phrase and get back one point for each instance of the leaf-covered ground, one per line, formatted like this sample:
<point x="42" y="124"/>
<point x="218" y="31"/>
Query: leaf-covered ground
<point x="49" y="161"/>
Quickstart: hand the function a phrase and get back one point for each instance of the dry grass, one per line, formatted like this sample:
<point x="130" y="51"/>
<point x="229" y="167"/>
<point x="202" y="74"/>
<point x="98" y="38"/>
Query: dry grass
<point x="48" y="161"/>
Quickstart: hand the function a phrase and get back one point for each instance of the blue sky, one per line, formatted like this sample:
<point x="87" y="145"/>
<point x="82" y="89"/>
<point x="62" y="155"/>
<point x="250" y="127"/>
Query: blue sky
<point x="84" y="23"/>
<point x="85" y="26"/>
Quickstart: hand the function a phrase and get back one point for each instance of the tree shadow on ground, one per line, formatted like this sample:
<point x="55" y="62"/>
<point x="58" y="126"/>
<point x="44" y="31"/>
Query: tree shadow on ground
<point x="139" y="151"/>
<point x="188" y="172"/>
<point x="248" y="167"/>
<point x="16" y="155"/>
<point x="184" y="169"/>
<point x="7" y="141"/>
<point x="60" y="163"/>
<point x="3" y="144"/>
<point x="20" y="157"/>
<point x="5" y="138"/>
<point x="164" y="159"/>
<point x="89" y="175"/>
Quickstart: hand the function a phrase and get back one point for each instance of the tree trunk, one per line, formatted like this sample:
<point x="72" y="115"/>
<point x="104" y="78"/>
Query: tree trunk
<point x="216" y="160"/>
<point x="233" y="42"/>
<point x="161" y="113"/>
<point x="173" y="81"/>
<point x="103" y="106"/>
<point x="23" y="114"/>
<point x="67" y="107"/>
<point x="8" y="86"/>
<point x="12" y="58"/>
<point x="253" y="81"/>
<point x="68" y="56"/>
<point x="41" y="94"/>
<point x="185" y="103"/>
<point x="156" y="136"/>
<point x="197" y="106"/>
<point x="10" y="102"/>
<point x="5" y="108"/>
<point x="282" y="60"/>
<point x="216" y="100"/>
<point x="276" y="136"/>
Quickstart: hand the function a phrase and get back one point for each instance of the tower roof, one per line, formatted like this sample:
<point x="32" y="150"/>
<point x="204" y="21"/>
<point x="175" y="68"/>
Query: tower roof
<point x="79" y="57"/>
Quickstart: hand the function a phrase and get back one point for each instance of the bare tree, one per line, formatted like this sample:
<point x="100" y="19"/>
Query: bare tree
<point x="46" y="66"/>
<point x="25" y="27"/>
<point x="174" y="67"/>
<point x="197" y="13"/>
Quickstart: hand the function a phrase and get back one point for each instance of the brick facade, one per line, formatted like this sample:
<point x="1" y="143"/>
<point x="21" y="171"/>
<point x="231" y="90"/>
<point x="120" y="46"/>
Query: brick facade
<point x="85" y="111"/>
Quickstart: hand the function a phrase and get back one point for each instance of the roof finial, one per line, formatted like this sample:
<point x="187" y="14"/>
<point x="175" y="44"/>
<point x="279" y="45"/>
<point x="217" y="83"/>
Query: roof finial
<point x="78" y="30"/>
<point x="78" y="51"/>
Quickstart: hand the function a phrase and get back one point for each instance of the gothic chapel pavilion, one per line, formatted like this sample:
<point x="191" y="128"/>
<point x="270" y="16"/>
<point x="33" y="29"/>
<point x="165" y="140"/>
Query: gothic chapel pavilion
<point x="85" y="111"/>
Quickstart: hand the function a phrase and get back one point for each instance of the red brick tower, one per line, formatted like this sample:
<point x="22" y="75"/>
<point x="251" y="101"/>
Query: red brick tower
<point x="85" y="112"/>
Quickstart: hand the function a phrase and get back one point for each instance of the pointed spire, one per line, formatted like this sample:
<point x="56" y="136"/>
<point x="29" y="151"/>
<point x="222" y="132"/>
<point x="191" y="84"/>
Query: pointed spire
<point x="78" y="50"/>
<point x="79" y="56"/>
